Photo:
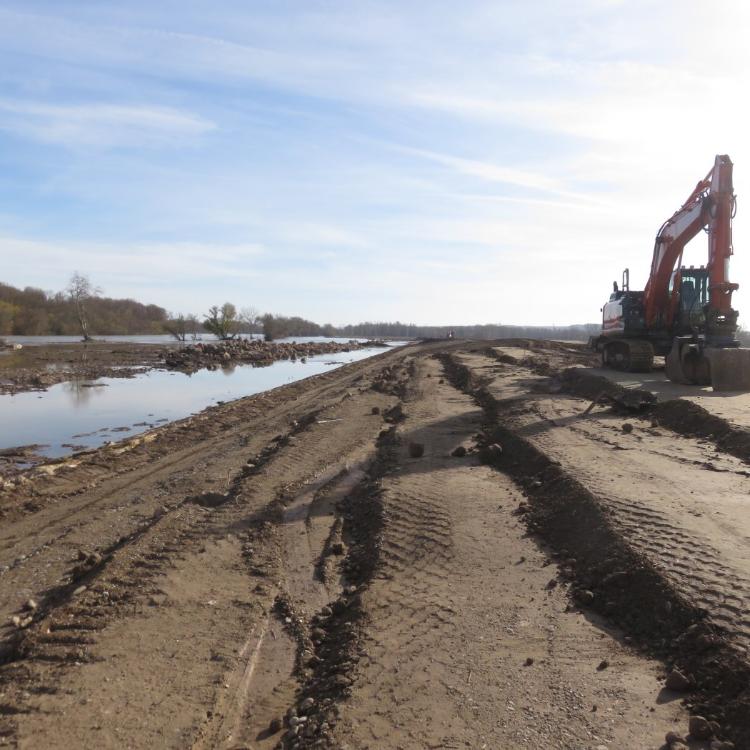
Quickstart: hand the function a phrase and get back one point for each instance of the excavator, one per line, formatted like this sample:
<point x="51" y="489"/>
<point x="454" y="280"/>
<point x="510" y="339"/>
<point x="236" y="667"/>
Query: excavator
<point x="684" y="313"/>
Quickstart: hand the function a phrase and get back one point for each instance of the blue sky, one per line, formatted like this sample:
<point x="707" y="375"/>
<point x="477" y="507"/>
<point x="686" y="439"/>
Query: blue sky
<point x="436" y="162"/>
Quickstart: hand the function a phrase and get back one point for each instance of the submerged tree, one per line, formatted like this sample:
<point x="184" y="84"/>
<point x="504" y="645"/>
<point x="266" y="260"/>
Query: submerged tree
<point x="183" y="326"/>
<point x="80" y="290"/>
<point x="222" y="321"/>
<point x="249" y="318"/>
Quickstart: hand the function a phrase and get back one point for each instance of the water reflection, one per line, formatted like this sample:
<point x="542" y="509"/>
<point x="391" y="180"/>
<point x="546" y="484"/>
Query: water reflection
<point x="81" y="390"/>
<point x="87" y="413"/>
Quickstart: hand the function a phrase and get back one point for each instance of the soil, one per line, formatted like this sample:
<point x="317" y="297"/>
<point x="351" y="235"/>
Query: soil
<point x="289" y="570"/>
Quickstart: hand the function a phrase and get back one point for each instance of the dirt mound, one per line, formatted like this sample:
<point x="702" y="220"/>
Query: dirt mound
<point x="688" y="418"/>
<point x="253" y="352"/>
<point x="579" y="382"/>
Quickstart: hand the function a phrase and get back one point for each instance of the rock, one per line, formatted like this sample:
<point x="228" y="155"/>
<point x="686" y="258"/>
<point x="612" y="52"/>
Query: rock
<point x="416" y="450"/>
<point x="699" y="728"/>
<point x="677" y="681"/>
<point x="459" y="452"/>
<point x="627" y="428"/>
<point x="617" y="578"/>
<point x="376" y="410"/>
<point x="603" y="664"/>
<point x="340" y="681"/>
<point x="79" y="590"/>
<point x="275" y="726"/>
<point x="529" y="661"/>
<point x="337" y="548"/>
<point x="31" y="604"/>
<point x="307" y="704"/>
<point x="495" y="450"/>
<point x="584" y="596"/>
<point x="21" y="623"/>
<point x="673" y="737"/>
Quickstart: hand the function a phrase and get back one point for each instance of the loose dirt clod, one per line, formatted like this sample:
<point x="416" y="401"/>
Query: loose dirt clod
<point x="673" y="737"/>
<point x="700" y="728"/>
<point x="416" y="450"/>
<point x="677" y="681"/>
<point x="459" y="452"/>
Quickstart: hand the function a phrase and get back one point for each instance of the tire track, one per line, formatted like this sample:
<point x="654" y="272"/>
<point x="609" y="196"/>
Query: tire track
<point x="623" y="582"/>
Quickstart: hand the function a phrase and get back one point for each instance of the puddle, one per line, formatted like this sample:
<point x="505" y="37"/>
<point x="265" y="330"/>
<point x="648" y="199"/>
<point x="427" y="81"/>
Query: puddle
<point x="88" y="414"/>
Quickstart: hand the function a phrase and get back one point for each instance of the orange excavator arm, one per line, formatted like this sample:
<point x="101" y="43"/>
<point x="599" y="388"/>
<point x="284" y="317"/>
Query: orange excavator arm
<point x="710" y="206"/>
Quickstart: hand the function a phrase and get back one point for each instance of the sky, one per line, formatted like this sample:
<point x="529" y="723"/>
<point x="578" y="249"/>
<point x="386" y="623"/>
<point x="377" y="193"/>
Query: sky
<point x="432" y="162"/>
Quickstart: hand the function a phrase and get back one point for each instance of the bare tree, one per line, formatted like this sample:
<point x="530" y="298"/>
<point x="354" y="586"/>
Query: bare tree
<point x="177" y="327"/>
<point x="80" y="290"/>
<point x="194" y="326"/>
<point x="182" y="326"/>
<point x="222" y="322"/>
<point x="250" y="317"/>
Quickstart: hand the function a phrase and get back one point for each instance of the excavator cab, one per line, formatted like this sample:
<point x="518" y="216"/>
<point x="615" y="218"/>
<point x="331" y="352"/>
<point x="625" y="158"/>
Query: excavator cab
<point x="688" y="289"/>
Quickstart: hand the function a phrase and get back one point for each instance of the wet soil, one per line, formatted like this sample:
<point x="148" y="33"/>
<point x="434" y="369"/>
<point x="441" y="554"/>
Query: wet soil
<point x="36" y="368"/>
<point x="440" y="546"/>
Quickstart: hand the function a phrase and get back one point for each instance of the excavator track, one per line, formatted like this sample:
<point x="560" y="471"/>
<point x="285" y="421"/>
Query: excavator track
<point x="629" y="355"/>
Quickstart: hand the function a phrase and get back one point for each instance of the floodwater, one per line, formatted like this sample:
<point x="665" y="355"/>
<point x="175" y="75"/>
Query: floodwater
<point x="86" y="414"/>
<point x="159" y="338"/>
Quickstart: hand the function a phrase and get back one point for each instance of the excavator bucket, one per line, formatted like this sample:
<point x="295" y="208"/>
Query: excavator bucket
<point x="686" y="364"/>
<point x="730" y="368"/>
<point x="724" y="369"/>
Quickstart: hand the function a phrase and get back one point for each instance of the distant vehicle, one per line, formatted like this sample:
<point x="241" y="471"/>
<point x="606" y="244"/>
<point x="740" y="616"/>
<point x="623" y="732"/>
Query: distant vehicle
<point x="683" y="313"/>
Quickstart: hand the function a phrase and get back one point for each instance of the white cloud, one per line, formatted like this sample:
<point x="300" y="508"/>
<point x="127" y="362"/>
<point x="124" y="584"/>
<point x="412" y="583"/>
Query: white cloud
<point x="101" y="124"/>
<point x="431" y="161"/>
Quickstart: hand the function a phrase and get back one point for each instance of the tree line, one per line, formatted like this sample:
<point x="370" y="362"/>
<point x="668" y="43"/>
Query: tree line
<point x="81" y="309"/>
<point x="78" y="310"/>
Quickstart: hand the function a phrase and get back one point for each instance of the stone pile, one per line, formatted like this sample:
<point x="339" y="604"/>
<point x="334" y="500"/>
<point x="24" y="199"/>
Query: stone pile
<point x="255" y="352"/>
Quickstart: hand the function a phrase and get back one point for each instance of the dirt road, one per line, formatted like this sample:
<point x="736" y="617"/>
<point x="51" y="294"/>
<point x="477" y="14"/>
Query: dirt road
<point x="432" y="548"/>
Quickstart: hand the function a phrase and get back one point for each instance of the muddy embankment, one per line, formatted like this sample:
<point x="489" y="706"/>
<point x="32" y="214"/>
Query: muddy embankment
<point x="36" y="368"/>
<point x="253" y="352"/>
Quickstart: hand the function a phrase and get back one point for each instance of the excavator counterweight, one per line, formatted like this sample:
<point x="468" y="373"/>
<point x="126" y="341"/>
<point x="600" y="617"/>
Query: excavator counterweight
<point x="684" y="313"/>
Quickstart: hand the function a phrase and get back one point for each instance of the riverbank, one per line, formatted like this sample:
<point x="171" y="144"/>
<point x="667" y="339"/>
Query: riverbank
<point x="36" y="368"/>
<point x="80" y="415"/>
